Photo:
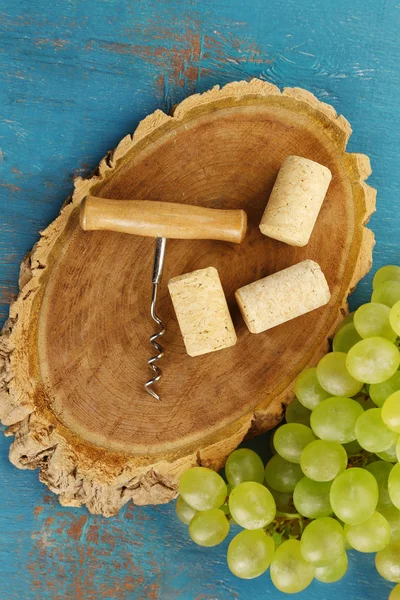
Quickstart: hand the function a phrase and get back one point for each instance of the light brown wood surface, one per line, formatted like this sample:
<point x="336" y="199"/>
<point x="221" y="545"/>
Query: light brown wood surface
<point x="76" y="344"/>
<point x="163" y="219"/>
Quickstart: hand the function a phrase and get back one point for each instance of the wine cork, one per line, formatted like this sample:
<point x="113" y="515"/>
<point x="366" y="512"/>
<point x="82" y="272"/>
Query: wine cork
<point x="202" y="312"/>
<point x="295" y="201"/>
<point x="283" y="296"/>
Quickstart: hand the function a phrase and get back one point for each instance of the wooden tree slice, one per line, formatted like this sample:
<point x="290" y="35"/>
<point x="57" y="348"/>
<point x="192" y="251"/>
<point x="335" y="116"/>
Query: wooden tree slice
<point x="74" y="350"/>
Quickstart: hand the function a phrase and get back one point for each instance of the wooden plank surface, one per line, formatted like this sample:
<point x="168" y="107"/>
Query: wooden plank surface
<point x="75" y="77"/>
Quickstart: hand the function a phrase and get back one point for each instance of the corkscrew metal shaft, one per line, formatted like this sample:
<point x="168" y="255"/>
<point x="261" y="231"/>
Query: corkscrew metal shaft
<point x="157" y="274"/>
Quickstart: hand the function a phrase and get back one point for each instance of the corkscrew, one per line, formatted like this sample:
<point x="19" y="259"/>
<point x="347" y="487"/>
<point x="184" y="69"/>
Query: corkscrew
<point x="161" y="220"/>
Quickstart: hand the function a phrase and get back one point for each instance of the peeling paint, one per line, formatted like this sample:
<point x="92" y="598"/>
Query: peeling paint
<point x="37" y="510"/>
<point x="56" y="43"/>
<point x="79" y="556"/>
<point x="178" y="62"/>
<point x="13" y="188"/>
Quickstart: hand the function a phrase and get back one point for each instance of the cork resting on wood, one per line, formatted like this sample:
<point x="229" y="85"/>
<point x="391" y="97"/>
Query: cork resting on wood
<point x="295" y="201"/>
<point x="202" y="312"/>
<point x="283" y="296"/>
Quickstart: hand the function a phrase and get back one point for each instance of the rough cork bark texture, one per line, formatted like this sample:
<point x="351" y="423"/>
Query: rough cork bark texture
<point x="73" y="351"/>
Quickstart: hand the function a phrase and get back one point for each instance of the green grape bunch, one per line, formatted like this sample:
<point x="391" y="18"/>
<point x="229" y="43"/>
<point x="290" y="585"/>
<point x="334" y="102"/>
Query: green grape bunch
<point x="333" y="482"/>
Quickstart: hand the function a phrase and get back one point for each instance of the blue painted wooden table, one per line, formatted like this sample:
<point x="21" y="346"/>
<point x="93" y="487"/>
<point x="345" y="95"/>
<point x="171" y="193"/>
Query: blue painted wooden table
<point x="75" y="77"/>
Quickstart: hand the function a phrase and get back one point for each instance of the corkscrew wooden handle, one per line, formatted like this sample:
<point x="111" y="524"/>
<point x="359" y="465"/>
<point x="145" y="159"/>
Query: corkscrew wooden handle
<point x="163" y="219"/>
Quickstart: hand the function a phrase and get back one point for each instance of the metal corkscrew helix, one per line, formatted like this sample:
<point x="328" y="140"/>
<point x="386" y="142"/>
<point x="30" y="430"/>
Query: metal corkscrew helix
<point x="157" y="274"/>
<point x="161" y="220"/>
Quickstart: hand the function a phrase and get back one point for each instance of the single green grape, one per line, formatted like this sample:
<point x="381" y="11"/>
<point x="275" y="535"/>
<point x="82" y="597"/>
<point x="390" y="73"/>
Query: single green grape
<point x="308" y="389"/>
<point x="391" y="412"/>
<point x="389" y="455"/>
<point x="352" y="448"/>
<point x="322" y="541"/>
<point x="184" y="512"/>
<point x="244" y="465"/>
<point x="372" y="433"/>
<point x="311" y="498"/>
<point x="281" y="474"/>
<point x="394" y="485"/>
<point x="345" y="338"/>
<point x="373" y="360"/>
<point x="387" y="293"/>
<point x="291" y="439"/>
<point x="398" y="448"/>
<point x="392" y="516"/>
<point x="379" y="392"/>
<point x="322" y="460"/>
<point x="250" y="553"/>
<point x="334" y="377"/>
<point x="209" y="527"/>
<point x="380" y="470"/>
<point x="290" y="573"/>
<point x="297" y="413"/>
<point x="334" y="419"/>
<point x="372" y="320"/>
<point x="252" y="505"/>
<point x="387" y="562"/>
<point x="371" y="536"/>
<point x="394" y="317"/>
<point x="354" y="496"/>
<point x="202" y="488"/>
<point x="386" y="273"/>
<point x="395" y="593"/>
<point x="334" y="571"/>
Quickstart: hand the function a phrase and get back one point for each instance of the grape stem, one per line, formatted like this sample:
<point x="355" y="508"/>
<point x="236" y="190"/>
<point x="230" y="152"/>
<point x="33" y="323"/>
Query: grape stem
<point x="361" y="459"/>
<point x="286" y="526"/>
<point x="362" y="392"/>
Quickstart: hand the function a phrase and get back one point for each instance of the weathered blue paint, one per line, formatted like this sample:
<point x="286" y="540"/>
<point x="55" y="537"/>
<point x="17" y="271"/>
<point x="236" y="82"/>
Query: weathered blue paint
<point x="75" y="77"/>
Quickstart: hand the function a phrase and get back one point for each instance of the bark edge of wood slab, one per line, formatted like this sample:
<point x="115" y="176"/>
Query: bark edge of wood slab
<point x="68" y="385"/>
